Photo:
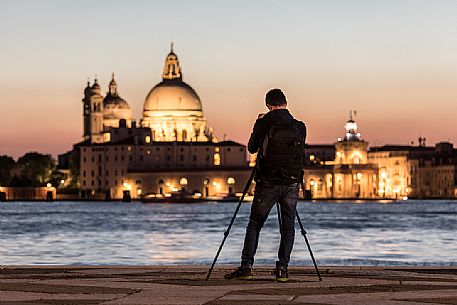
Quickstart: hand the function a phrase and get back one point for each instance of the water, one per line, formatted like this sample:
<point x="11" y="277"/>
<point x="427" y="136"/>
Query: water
<point x="403" y="233"/>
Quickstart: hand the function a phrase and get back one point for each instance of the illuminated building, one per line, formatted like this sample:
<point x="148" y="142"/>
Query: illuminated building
<point x="349" y="175"/>
<point x="171" y="151"/>
<point x="100" y="114"/>
<point x="172" y="108"/>
<point x="416" y="171"/>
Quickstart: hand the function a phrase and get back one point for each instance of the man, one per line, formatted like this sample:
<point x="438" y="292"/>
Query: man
<point x="278" y="139"/>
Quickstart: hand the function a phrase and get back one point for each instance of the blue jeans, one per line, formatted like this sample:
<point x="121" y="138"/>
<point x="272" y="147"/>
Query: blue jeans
<point x="265" y="197"/>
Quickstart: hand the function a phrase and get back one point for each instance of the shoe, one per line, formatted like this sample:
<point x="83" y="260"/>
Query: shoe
<point x="282" y="274"/>
<point x="240" y="273"/>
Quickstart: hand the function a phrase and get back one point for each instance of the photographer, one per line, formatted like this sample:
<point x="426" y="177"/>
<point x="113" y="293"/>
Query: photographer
<point x="278" y="139"/>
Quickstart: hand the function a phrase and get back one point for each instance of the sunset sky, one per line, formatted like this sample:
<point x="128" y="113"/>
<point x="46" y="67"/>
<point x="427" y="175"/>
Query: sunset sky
<point x="395" y="62"/>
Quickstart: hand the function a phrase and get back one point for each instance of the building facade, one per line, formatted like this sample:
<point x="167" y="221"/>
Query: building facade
<point x="171" y="151"/>
<point x="349" y="175"/>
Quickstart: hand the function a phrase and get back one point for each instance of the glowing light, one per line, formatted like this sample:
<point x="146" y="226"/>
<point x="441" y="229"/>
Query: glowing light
<point x="48" y="185"/>
<point x="405" y="198"/>
<point x="311" y="158"/>
<point x="359" y="176"/>
<point x="183" y="181"/>
<point x="174" y="189"/>
<point x="338" y="154"/>
<point x="217" y="159"/>
<point x="198" y="195"/>
<point x="168" y="184"/>
<point x="147" y="139"/>
<point x="383" y="175"/>
<point x="148" y="152"/>
<point x="312" y="182"/>
<point x="167" y="195"/>
<point x="216" y="184"/>
<point x="62" y="181"/>
<point x="127" y="186"/>
<point x="339" y="139"/>
<point x="129" y="148"/>
<point x="231" y="180"/>
<point x="138" y="192"/>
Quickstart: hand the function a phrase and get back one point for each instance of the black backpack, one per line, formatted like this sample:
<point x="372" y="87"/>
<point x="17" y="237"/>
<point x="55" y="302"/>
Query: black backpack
<point x="282" y="154"/>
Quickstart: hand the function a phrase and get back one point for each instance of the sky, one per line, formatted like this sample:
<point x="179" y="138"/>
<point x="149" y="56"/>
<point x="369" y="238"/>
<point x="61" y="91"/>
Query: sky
<point x="395" y="62"/>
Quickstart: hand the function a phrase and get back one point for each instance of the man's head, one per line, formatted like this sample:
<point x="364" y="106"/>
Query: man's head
<point x="275" y="99"/>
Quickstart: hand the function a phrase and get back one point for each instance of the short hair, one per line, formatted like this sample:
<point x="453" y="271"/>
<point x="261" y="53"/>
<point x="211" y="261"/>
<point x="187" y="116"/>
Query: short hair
<point x="275" y="97"/>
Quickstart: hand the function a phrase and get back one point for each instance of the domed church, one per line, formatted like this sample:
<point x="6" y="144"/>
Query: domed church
<point x="115" y="108"/>
<point x="100" y="114"/>
<point x="172" y="108"/>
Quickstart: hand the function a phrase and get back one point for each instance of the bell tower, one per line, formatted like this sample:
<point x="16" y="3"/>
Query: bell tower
<point x="93" y="113"/>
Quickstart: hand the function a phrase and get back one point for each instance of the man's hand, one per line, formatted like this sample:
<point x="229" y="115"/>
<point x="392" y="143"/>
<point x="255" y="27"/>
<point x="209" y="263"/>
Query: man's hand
<point x="261" y="115"/>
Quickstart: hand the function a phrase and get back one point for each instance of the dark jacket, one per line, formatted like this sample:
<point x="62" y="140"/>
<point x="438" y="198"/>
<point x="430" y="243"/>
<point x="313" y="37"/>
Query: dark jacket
<point x="262" y="126"/>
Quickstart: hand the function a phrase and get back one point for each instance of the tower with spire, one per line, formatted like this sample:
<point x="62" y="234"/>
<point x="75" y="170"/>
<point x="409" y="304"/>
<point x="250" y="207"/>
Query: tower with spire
<point x="351" y="149"/>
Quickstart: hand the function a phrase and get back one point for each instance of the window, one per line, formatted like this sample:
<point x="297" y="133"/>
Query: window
<point x="84" y="173"/>
<point x="84" y="160"/>
<point x="157" y="148"/>
<point x="194" y="158"/>
<point x="168" y="158"/>
<point x="217" y="159"/>
<point x="115" y="158"/>
<point x="181" y="158"/>
<point x="130" y="158"/>
<point x="122" y="158"/>
<point x="141" y="157"/>
<point x="92" y="173"/>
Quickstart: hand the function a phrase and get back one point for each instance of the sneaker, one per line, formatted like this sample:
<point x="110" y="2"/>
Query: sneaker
<point x="240" y="273"/>
<point x="282" y="274"/>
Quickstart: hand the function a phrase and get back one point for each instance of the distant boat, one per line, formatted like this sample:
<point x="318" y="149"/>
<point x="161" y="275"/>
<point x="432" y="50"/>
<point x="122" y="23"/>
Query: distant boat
<point x="179" y="197"/>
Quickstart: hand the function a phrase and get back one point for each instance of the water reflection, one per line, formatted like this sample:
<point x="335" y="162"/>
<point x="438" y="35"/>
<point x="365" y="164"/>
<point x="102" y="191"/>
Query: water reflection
<point x="415" y="233"/>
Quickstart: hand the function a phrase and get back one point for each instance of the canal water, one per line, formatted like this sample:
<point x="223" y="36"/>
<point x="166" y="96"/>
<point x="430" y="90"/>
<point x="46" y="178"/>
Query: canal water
<point x="114" y="233"/>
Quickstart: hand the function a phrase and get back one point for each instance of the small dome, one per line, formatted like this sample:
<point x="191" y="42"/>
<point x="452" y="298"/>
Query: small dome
<point x="96" y="86"/>
<point x="115" y="107"/>
<point x="115" y="101"/>
<point x="172" y="94"/>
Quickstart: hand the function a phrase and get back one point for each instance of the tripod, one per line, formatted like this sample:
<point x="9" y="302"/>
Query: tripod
<point x="226" y="233"/>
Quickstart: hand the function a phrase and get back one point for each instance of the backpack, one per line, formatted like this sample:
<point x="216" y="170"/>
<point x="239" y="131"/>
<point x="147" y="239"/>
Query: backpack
<point x="282" y="154"/>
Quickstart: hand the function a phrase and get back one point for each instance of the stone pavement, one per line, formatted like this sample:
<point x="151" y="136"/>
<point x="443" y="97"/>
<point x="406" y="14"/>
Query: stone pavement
<point x="61" y="285"/>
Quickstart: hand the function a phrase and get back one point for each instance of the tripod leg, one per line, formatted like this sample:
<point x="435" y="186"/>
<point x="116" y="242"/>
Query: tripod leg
<point x="303" y="232"/>
<point x="226" y="233"/>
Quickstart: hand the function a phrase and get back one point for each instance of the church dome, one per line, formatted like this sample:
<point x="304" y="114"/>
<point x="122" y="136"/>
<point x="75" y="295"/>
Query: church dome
<point x="172" y="94"/>
<point x="115" y="107"/>
<point x="172" y="108"/>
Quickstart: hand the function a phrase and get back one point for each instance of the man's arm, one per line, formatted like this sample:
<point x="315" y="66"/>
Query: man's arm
<point x="257" y="135"/>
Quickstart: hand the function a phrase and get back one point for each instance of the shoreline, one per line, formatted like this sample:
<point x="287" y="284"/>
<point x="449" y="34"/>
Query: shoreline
<point x="184" y="284"/>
